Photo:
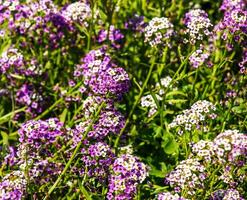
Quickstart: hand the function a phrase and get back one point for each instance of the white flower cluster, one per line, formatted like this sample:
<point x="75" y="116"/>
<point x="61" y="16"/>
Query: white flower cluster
<point x="129" y="166"/>
<point x="164" y="83"/>
<point x="188" y="175"/>
<point x="198" y="25"/>
<point x="77" y="12"/>
<point x="11" y="56"/>
<point x="149" y="102"/>
<point x="169" y="196"/>
<point x="230" y="145"/>
<point x="232" y="194"/>
<point x="198" y="58"/>
<point x="227" y="147"/>
<point x="193" y="117"/>
<point x="158" y="31"/>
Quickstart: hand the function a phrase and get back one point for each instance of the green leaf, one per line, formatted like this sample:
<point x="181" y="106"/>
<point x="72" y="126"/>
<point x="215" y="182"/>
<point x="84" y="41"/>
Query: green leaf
<point x="85" y="192"/>
<point x="157" y="173"/>
<point x="173" y="101"/>
<point x="171" y="147"/>
<point x="5" y="138"/>
<point x="63" y="115"/>
<point x="240" y="109"/>
<point x="158" y="132"/>
<point x="176" y="92"/>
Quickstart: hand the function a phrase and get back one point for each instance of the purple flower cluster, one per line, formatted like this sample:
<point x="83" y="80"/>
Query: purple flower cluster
<point x="40" y="22"/>
<point x="31" y="97"/>
<point x="38" y="140"/>
<point x="127" y="172"/>
<point x="97" y="159"/>
<point x="12" y="63"/>
<point x="235" y="21"/>
<point x="136" y="24"/>
<point x="115" y="37"/>
<point x="109" y="122"/>
<point x="198" y="25"/>
<point x="232" y="4"/>
<point x="233" y="27"/>
<point x="13" y="186"/>
<point x="39" y="133"/>
<point x="101" y="75"/>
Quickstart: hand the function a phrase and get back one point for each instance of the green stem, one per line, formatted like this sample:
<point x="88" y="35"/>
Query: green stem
<point x="6" y="117"/>
<point x="135" y="104"/>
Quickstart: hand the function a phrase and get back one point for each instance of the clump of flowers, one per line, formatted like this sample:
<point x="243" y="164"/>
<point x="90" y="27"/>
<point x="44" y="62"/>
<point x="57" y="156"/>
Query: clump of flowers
<point x="37" y="140"/>
<point x="148" y="100"/>
<point x="127" y="173"/>
<point x="194" y="117"/>
<point x="233" y="25"/>
<point x="243" y="63"/>
<point x="188" y="175"/>
<point x="97" y="159"/>
<point x="136" y="24"/>
<point x="198" y="25"/>
<point x="169" y="196"/>
<point x="115" y="36"/>
<point x="232" y="194"/>
<point x="78" y="12"/>
<point x="31" y="97"/>
<point x="110" y="121"/>
<point x="11" y="58"/>
<point x="198" y="58"/>
<point x="228" y="151"/>
<point x="228" y="5"/>
<point x="231" y="146"/>
<point x="101" y="75"/>
<point x="228" y="147"/>
<point x="13" y="186"/>
<point x="159" y="31"/>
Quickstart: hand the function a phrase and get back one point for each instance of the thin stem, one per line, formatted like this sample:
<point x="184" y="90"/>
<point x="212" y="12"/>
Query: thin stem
<point x="74" y="154"/>
<point x="135" y="104"/>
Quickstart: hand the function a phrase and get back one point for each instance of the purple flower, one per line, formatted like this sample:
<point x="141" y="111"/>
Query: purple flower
<point x="232" y="4"/>
<point x="101" y="75"/>
<point x="96" y="160"/>
<point x="136" y="24"/>
<point x="31" y="97"/>
<point x="115" y="36"/>
<point x="13" y="186"/>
